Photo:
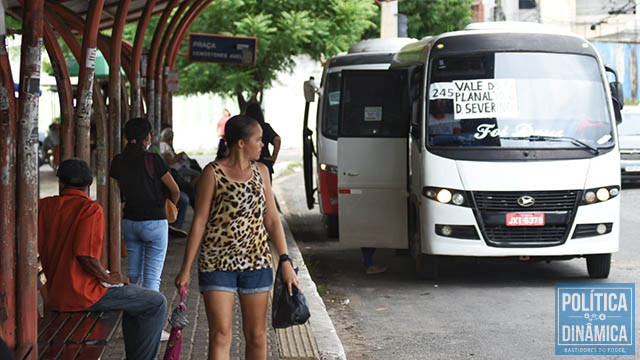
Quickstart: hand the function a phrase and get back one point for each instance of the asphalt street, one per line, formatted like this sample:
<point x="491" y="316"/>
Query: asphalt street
<point x="475" y="310"/>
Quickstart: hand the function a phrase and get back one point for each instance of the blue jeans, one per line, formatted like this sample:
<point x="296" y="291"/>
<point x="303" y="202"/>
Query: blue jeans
<point x="183" y="203"/>
<point x="144" y="314"/>
<point x="146" y="249"/>
<point x="367" y="256"/>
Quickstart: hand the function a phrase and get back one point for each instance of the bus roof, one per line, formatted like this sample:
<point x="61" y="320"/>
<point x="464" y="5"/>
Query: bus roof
<point x="371" y="51"/>
<point x="506" y="36"/>
<point x="380" y="45"/>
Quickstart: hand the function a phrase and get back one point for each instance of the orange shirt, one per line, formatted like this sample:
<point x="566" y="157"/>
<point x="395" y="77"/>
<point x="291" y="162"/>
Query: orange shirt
<point x="70" y="225"/>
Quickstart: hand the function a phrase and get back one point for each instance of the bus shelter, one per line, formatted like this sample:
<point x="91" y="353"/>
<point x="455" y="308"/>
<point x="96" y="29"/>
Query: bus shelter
<point x="140" y="90"/>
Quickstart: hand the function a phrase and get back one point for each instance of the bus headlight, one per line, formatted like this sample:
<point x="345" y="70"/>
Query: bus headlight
<point x="446" y="196"/>
<point x="589" y="197"/>
<point x="601" y="194"/>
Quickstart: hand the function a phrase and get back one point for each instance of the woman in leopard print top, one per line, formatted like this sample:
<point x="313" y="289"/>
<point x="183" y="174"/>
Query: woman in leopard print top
<point x="235" y="211"/>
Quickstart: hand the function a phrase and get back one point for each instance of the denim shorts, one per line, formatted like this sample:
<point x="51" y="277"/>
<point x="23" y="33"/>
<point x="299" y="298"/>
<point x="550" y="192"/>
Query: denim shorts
<point x="242" y="282"/>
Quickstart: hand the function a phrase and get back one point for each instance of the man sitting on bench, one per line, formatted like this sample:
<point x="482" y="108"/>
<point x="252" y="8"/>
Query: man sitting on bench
<point x="70" y="235"/>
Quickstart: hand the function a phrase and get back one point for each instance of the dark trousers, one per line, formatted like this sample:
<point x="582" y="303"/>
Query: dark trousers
<point x="367" y="256"/>
<point x="144" y="314"/>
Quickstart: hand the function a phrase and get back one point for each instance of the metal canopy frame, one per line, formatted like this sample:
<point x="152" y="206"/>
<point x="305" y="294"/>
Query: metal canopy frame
<point x="44" y="23"/>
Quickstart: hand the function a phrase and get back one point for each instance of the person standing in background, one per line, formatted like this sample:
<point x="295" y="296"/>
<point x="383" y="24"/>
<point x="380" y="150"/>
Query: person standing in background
<point x="144" y="225"/>
<point x="269" y="136"/>
<point x="226" y="115"/>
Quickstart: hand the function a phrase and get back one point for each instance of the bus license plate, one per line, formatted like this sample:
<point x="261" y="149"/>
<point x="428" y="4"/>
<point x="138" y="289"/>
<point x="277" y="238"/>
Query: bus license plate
<point x="525" y="219"/>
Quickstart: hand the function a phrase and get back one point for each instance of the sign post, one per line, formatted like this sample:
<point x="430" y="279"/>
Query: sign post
<point x="223" y="49"/>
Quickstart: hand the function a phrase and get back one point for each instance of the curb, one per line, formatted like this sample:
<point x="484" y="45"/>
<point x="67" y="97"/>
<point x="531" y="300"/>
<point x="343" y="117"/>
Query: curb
<point x="329" y="344"/>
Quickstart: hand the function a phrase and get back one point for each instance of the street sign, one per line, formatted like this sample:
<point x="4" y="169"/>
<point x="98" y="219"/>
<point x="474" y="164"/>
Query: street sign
<point x="238" y="50"/>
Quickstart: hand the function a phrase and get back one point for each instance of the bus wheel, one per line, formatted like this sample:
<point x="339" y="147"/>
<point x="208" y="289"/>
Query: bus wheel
<point x="599" y="265"/>
<point x="332" y="226"/>
<point x="426" y="265"/>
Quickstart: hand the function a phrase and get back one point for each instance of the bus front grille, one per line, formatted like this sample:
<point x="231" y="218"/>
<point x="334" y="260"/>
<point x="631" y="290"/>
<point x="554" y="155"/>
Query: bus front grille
<point x="491" y="207"/>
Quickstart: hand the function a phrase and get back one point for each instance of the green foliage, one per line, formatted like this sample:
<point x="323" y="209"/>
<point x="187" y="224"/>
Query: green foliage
<point x="429" y="17"/>
<point x="284" y="28"/>
<point x="11" y="23"/>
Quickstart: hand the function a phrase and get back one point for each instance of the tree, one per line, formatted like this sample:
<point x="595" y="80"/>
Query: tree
<point x="284" y="28"/>
<point x="429" y="17"/>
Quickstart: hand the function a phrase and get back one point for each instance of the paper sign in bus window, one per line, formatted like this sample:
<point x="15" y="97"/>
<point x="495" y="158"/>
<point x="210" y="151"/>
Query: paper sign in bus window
<point x="484" y="98"/>
<point x="373" y="113"/>
<point x="334" y="98"/>
<point x="442" y="90"/>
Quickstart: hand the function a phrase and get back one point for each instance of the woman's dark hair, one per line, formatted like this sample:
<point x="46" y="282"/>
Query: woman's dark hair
<point x="237" y="128"/>
<point x="136" y="131"/>
<point x="253" y="111"/>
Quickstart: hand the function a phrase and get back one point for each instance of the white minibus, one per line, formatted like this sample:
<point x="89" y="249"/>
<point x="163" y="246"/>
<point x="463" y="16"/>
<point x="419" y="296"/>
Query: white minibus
<point x="372" y="54"/>
<point x="487" y="142"/>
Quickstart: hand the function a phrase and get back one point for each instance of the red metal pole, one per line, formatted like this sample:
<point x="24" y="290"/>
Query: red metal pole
<point x="151" y="64"/>
<point x="135" y="79"/>
<point x="160" y="71"/>
<point x="85" y="80"/>
<point x="169" y="59"/>
<point x="7" y="200"/>
<point x="65" y="92"/>
<point x="27" y="170"/>
<point x="114" y="136"/>
<point x="55" y="20"/>
<point x="102" y="164"/>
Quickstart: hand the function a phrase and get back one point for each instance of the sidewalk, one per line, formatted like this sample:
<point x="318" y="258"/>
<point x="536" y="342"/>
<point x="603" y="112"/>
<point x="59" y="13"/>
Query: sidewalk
<point x="315" y="340"/>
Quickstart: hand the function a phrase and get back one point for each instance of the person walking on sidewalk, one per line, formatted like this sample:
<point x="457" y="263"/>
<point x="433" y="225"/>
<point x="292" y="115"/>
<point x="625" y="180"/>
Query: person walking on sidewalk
<point x="269" y="136"/>
<point x="145" y="228"/>
<point x="70" y="239"/>
<point x="235" y="212"/>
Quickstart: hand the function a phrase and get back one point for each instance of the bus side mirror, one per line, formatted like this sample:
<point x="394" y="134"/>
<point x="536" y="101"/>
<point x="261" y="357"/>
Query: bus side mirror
<point x="310" y="88"/>
<point x="617" y="94"/>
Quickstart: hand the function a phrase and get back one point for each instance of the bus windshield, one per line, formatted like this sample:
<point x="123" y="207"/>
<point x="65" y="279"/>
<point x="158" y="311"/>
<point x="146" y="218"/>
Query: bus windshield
<point x="517" y="100"/>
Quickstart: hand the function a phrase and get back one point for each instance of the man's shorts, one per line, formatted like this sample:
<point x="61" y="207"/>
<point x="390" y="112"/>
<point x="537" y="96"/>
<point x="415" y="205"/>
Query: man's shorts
<point x="242" y="282"/>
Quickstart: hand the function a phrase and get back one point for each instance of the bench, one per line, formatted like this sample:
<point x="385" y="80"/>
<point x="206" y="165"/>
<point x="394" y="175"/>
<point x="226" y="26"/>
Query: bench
<point x="76" y="335"/>
<point x="73" y="335"/>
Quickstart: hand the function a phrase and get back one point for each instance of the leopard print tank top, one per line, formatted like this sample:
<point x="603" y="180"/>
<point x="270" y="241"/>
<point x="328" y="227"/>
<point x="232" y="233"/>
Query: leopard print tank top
<point x="235" y="237"/>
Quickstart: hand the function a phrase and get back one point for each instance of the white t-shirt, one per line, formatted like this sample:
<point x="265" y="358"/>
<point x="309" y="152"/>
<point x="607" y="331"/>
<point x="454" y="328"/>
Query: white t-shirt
<point x="165" y="148"/>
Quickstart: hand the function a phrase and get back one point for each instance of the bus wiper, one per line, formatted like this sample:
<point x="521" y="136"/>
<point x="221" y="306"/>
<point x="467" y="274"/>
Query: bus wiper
<point x="554" y="138"/>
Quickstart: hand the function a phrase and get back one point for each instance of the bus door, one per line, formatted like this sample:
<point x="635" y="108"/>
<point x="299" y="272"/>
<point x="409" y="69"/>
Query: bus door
<point x="372" y="158"/>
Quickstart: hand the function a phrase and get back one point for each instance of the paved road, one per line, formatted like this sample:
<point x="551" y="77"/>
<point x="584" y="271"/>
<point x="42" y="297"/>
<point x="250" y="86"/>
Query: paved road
<point x="476" y="310"/>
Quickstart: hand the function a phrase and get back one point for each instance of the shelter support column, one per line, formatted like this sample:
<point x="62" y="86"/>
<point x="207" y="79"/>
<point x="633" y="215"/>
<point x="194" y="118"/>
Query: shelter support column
<point x="7" y="200"/>
<point x="27" y="180"/>
<point x="85" y="79"/>
<point x="115" y="140"/>
<point x="135" y="79"/>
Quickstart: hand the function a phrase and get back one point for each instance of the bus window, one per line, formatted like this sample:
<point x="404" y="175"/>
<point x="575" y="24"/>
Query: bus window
<point x="331" y="105"/>
<point x="374" y="104"/>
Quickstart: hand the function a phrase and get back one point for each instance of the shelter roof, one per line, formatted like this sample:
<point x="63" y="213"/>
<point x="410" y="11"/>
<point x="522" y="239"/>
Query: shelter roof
<point x="81" y="7"/>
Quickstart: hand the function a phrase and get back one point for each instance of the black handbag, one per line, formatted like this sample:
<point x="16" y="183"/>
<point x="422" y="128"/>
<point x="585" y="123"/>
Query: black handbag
<point x="287" y="310"/>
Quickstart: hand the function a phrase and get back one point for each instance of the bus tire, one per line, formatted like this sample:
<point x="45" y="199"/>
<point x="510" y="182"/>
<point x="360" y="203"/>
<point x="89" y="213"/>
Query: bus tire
<point x="427" y="266"/>
<point x="332" y="226"/>
<point x="599" y="265"/>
